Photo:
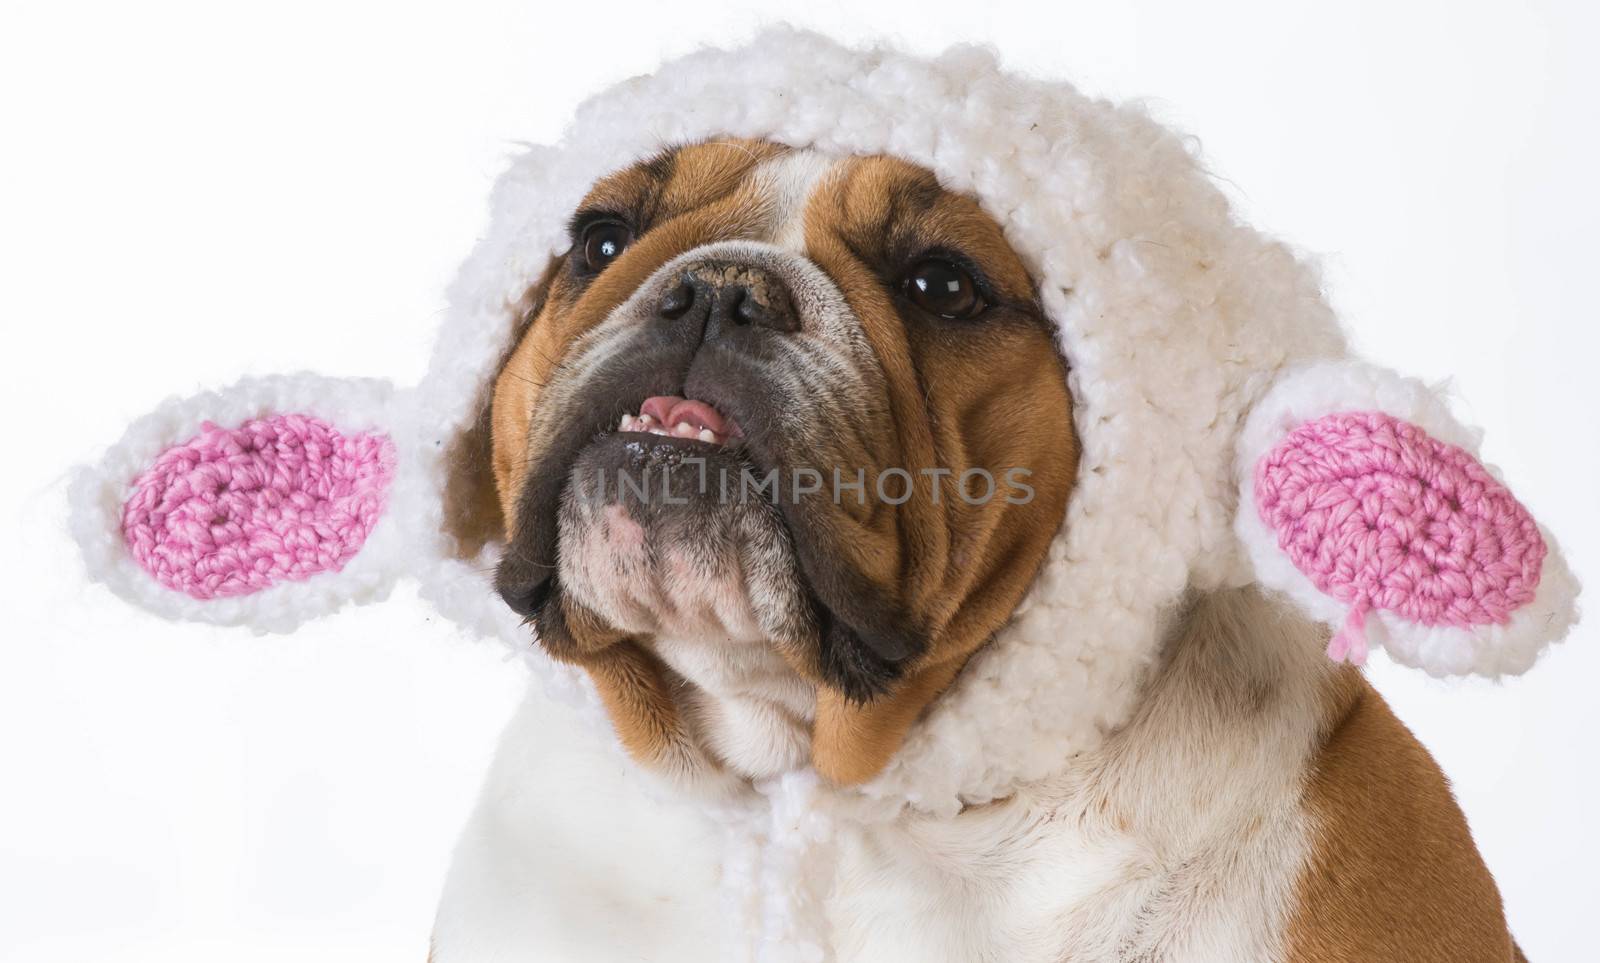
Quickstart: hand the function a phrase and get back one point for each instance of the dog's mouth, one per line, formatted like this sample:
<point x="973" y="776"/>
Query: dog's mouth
<point x="688" y="471"/>
<point x="675" y="416"/>
<point x="640" y="447"/>
<point x="660" y="534"/>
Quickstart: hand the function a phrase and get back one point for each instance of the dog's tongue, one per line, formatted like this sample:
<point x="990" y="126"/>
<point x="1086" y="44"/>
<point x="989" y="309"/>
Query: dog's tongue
<point x="671" y="410"/>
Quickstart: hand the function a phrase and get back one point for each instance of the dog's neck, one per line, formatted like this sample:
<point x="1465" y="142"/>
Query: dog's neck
<point x="752" y="712"/>
<point x="745" y="705"/>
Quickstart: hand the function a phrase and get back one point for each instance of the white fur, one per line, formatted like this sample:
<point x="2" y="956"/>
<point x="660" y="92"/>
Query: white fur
<point x="565" y="859"/>
<point x="790" y="180"/>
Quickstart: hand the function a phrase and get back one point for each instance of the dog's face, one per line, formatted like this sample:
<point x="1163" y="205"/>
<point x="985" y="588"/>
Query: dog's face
<point x="803" y="411"/>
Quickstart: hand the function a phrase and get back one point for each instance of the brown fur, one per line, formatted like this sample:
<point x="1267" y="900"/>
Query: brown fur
<point x="992" y="400"/>
<point x="1393" y="874"/>
<point x="990" y="396"/>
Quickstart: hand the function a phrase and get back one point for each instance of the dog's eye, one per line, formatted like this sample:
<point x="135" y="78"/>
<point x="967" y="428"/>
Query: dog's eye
<point x="941" y="287"/>
<point x="602" y="242"/>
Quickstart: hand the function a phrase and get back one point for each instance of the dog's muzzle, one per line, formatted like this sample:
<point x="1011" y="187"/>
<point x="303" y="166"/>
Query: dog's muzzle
<point x="738" y="356"/>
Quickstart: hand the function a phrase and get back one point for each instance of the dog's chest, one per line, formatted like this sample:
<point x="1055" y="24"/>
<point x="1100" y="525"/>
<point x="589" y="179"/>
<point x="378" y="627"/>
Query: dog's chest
<point x="1137" y="857"/>
<point x="1068" y="875"/>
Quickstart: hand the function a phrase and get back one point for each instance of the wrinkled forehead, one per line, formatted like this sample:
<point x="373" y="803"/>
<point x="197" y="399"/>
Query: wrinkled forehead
<point x="882" y="207"/>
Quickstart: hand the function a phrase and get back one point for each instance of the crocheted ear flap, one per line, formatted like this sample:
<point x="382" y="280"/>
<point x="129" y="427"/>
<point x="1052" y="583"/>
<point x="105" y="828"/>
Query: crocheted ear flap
<point x="1364" y="501"/>
<point x="263" y="504"/>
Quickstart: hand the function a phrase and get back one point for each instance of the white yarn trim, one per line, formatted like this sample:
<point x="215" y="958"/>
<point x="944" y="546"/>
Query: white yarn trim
<point x="97" y="494"/>
<point x="1307" y="393"/>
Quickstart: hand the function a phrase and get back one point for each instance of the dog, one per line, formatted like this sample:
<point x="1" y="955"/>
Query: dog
<point x="867" y="348"/>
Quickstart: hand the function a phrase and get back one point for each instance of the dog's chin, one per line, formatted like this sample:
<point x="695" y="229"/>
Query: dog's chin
<point x="663" y="537"/>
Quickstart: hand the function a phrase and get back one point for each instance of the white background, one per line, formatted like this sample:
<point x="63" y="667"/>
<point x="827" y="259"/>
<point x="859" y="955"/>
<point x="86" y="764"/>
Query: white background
<point x="189" y="193"/>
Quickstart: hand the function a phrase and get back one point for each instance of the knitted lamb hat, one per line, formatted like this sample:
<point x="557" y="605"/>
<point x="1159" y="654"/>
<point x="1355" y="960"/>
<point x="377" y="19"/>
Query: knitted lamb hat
<point x="1227" y="435"/>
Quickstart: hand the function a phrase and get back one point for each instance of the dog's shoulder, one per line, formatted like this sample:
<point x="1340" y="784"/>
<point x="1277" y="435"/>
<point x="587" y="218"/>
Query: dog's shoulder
<point x="1392" y="873"/>
<point x="1180" y="838"/>
<point x="1263" y="804"/>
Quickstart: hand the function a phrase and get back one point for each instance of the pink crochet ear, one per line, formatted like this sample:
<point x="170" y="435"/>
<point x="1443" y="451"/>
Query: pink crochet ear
<point x="1363" y="501"/>
<point x="1380" y="515"/>
<point x="233" y="511"/>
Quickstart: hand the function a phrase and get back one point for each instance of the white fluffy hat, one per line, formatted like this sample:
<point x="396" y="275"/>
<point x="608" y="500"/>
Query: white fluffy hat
<point x="1177" y="322"/>
<point x="1227" y="436"/>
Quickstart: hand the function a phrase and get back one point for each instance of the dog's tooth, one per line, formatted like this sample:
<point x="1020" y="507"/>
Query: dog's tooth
<point x="684" y="430"/>
<point x="646" y="420"/>
<point x="706" y="434"/>
<point x="626" y="424"/>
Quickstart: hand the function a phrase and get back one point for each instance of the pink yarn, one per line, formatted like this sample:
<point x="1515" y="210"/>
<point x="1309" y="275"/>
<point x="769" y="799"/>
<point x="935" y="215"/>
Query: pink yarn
<point x="233" y="511"/>
<point x="1379" y="514"/>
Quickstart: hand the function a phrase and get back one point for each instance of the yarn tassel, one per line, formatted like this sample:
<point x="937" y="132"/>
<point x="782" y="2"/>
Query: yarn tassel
<point x="1350" y="644"/>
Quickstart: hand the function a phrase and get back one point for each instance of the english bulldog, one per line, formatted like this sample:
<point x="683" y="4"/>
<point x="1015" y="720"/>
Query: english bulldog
<point x="782" y="441"/>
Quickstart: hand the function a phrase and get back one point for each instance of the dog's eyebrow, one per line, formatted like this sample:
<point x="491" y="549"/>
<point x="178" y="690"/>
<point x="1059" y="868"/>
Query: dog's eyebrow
<point x="660" y="166"/>
<point x="630" y="195"/>
<point x="910" y="199"/>
<point x="591" y="214"/>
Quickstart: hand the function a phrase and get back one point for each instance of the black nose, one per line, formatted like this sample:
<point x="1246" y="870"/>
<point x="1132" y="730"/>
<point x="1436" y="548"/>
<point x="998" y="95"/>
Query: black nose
<point x="721" y="298"/>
